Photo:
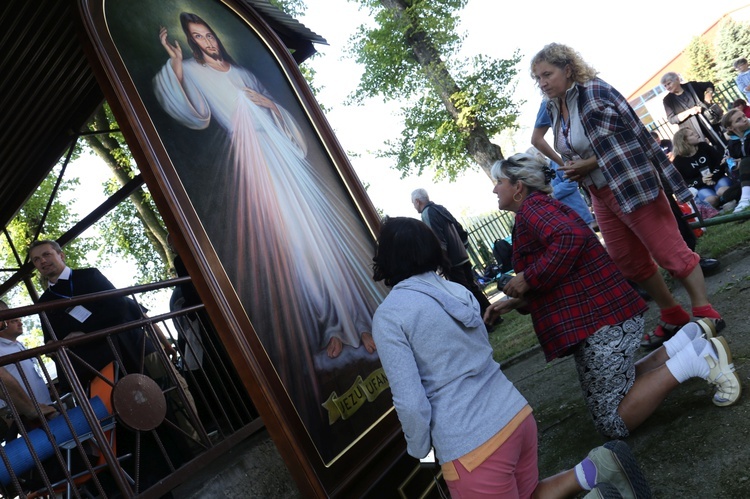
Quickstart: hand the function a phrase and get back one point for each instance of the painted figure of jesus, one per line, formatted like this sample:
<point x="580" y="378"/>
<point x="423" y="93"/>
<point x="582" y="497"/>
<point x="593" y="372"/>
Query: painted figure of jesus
<point x="302" y="268"/>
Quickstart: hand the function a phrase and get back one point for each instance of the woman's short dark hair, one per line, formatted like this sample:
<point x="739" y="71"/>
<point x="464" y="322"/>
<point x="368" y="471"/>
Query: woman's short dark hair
<point x="406" y="247"/>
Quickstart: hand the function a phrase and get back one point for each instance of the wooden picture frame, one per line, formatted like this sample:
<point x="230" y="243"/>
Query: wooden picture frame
<point x="238" y="220"/>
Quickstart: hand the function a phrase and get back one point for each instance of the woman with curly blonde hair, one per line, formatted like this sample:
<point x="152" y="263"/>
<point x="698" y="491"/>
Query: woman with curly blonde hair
<point x="561" y="55"/>
<point x="606" y="148"/>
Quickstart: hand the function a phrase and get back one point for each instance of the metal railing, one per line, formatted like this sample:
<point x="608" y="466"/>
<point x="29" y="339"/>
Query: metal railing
<point x="160" y="421"/>
<point x="483" y="232"/>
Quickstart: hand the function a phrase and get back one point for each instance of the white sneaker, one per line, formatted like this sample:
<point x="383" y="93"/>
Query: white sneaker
<point x="742" y="205"/>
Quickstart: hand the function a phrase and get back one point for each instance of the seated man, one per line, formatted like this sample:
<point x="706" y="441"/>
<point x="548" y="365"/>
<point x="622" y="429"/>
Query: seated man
<point x="11" y="378"/>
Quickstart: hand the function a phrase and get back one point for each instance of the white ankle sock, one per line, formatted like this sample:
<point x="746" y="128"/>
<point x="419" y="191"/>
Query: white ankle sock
<point x="690" y="362"/>
<point x="682" y="338"/>
<point x="745" y="192"/>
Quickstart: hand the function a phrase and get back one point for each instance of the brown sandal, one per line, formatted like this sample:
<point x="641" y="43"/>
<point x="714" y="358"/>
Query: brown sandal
<point x="658" y="336"/>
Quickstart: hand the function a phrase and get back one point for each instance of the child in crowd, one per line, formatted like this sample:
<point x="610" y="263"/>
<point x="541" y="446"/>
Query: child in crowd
<point x="741" y="104"/>
<point x="701" y="166"/>
<point x="738" y="126"/>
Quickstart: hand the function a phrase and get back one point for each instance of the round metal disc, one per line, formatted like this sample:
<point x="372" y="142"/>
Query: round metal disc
<point x="139" y="402"/>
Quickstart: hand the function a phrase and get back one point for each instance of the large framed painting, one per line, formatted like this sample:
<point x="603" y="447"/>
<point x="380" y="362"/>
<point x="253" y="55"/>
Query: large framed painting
<point x="241" y="160"/>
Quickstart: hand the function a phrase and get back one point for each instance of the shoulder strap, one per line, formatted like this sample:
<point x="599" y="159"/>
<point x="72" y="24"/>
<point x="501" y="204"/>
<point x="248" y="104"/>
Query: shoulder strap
<point x="698" y="102"/>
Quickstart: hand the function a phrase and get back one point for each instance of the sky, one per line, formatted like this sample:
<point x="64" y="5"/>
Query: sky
<point x="627" y="45"/>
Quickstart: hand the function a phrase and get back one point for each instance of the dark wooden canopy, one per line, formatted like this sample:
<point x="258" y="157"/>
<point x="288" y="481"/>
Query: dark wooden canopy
<point x="48" y="90"/>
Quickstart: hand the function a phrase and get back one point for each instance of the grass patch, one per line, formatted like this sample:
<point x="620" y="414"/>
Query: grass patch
<point x="719" y="240"/>
<point x="513" y="336"/>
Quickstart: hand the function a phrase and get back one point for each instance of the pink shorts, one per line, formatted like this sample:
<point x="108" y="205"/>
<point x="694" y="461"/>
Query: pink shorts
<point x="635" y="240"/>
<point x="510" y="472"/>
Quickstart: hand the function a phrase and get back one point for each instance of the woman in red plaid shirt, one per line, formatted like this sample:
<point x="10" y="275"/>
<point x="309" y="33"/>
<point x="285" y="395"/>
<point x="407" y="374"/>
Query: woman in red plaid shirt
<point x="580" y="304"/>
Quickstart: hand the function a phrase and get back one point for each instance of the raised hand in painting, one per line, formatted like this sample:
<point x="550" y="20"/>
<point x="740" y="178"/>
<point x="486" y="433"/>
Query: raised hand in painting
<point x="174" y="52"/>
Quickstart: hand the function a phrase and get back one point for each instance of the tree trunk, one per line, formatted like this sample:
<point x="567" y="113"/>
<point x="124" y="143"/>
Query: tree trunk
<point x="479" y="146"/>
<point x="104" y="146"/>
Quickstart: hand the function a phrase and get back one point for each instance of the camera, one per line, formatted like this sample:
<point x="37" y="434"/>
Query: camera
<point x="503" y="280"/>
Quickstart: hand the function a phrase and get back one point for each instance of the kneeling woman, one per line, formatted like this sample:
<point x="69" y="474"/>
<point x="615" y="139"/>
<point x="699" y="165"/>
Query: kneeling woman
<point x="450" y="394"/>
<point x="581" y="305"/>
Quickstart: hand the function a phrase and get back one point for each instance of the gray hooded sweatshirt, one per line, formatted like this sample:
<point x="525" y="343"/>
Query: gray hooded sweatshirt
<point x="448" y="391"/>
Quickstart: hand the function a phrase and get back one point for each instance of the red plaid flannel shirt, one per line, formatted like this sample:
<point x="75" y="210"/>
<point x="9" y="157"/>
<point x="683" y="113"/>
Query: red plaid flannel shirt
<point x="576" y="289"/>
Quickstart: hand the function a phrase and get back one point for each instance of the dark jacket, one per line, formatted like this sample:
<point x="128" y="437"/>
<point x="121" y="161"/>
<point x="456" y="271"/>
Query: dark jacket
<point x="105" y="313"/>
<point x="739" y="147"/>
<point x="673" y="107"/>
<point x="452" y="236"/>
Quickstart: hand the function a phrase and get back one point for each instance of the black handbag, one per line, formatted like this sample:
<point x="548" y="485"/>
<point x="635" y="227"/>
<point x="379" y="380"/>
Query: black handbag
<point x="712" y="112"/>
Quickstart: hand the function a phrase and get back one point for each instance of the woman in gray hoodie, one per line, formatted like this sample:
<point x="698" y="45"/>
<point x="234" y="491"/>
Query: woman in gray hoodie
<point x="451" y="395"/>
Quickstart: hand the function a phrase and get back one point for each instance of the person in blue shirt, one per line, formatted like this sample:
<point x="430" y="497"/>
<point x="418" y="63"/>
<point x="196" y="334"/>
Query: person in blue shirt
<point x="567" y="191"/>
<point x="743" y="76"/>
<point x="564" y="190"/>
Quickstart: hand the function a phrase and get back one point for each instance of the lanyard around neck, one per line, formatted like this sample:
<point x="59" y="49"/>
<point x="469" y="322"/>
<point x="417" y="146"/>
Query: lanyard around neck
<point x="70" y="280"/>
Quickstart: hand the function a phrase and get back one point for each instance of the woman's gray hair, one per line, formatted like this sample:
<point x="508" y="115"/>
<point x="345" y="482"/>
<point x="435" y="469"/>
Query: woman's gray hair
<point x="533" y="171"/>
<point x="671" y="76"/>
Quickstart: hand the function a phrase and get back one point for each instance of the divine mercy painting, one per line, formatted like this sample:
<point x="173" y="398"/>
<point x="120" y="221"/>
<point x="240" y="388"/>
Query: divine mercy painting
<point x="278" y="214"/>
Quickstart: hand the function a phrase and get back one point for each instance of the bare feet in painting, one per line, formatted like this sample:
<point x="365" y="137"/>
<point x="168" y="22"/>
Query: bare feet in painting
<point x="334" y="347"/>
<point x="368" y="342"/>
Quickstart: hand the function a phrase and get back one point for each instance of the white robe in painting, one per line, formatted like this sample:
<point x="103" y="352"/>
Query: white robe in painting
<point x="303" y="257"/>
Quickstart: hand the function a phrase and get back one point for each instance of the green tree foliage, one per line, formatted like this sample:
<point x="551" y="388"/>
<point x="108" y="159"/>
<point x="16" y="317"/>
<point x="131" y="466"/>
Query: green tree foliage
<point x="732" y="42"/>
<point x="702" y="61"/>
<point x="123" y="233"/>
<point x="22" y="230"/>
<point x="454" y="105"/>
<point x="294" y="8"/>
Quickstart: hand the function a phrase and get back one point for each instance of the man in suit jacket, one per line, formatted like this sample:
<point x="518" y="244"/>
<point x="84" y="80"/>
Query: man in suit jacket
<point x="63" y="283"/>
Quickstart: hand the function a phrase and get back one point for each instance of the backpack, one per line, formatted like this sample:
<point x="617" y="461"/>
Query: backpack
<point x="503" y="251"/>
<point x="462" y="234"/>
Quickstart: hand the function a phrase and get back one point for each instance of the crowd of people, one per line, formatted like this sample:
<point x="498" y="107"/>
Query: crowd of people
<point x="604" y="178"/>
<point x="430" y="332"/>
<point x="705" y="148"/>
